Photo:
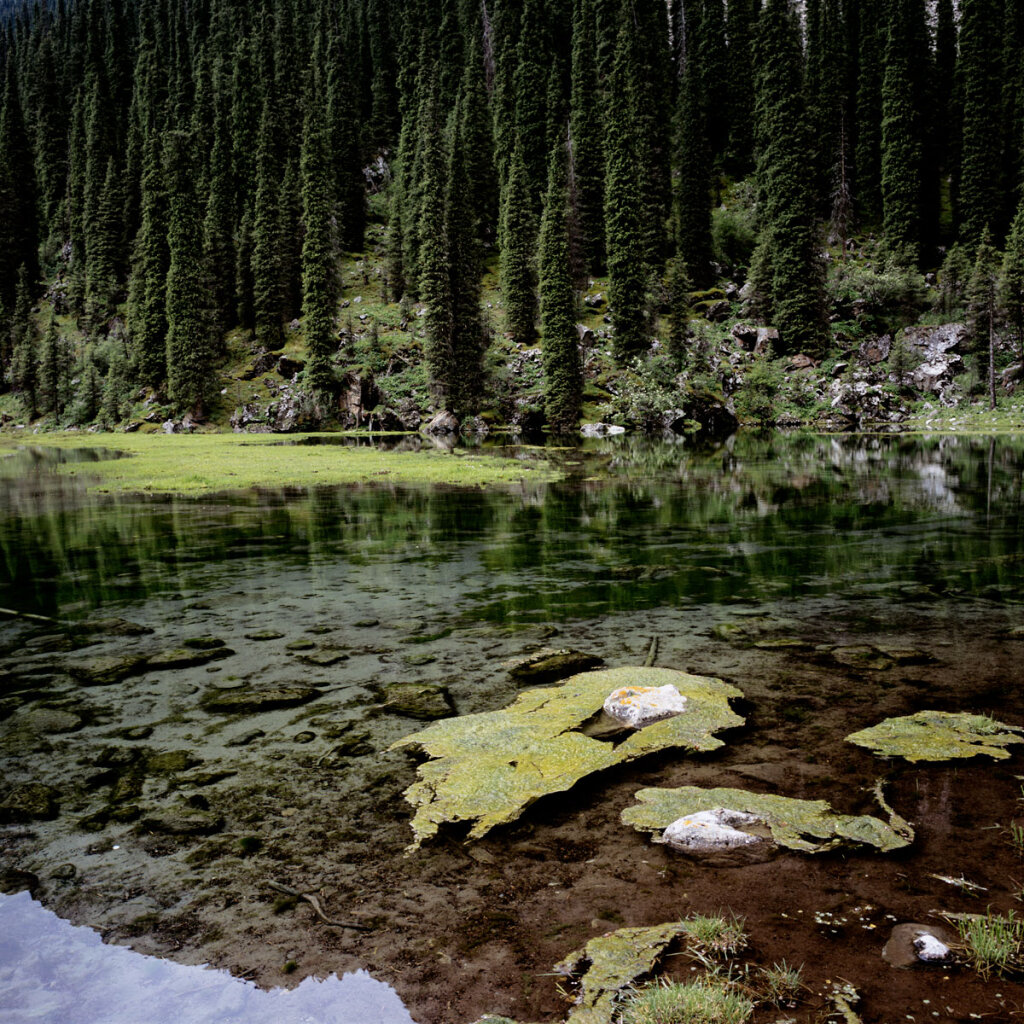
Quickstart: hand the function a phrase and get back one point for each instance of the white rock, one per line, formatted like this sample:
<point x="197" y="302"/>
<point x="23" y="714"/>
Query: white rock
<point x="929" y="948"/>
<point x="710" y="831"/>
<point x="637" y="706"/>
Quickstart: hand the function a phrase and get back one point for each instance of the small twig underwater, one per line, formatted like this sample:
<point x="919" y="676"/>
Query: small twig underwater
<point x="315" y="904"/>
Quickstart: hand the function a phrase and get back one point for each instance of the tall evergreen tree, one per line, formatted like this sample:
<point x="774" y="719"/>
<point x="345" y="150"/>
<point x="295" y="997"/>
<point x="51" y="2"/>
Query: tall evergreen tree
<point x="1011" y="281"/>
<point x="518" y="239"/>
<point x="147" y="294"/>
<point x="983" y="312"/>
<point x="18" y="224"/>
<point x="789" y="271"/>
<point x="902" y="138"/>
<point x="586" y="165"/>
<point x="867" y="128"/>
<point x="267" y="243"/>
<point x="24" y="371"/>
<point x="624" y="214"/>
<point x="693" y="188"/>
<point x="741" y="28"/>
<point x="319" y="271"/>
<point x="563" y="376"/>
<point x="981" y="68"/>
<point x="189" y="370"/>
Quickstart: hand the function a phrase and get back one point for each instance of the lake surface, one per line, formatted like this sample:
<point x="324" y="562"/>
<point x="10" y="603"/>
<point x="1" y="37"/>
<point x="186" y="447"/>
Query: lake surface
<point x="154" y="801"/>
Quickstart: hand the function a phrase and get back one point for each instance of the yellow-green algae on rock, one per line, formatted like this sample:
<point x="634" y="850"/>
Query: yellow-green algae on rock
<point x="488" y="768"/>
<point x="806" y="825"/>
<point x="614" y="961"/>
<point x="938" y="736"/>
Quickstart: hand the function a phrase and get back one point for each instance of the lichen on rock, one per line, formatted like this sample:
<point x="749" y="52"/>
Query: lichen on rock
<point x="810" y="826"/>
<point x="938" y="736"/>
<point x="488" y="768"/>
<point x="610" y="963"/>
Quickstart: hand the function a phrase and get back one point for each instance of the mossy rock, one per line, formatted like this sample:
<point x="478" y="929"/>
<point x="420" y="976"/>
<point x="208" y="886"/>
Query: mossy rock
<point x="488" y="768"/>
<point x="938" y="736"/>
<point x="550" y="666"/>
<point x="264" y="634"/>
<point x="107" y="670"/>
<point x="50" y="720"/>
<point x="610" y="964"/>
<point x="300" y="645"/>
<point x="810" y="826"/>
<point x="169" y="762"/>
<point x="182" y="821"/>
<point x="29" y="801"/>
<point x="253" y="701"/>
<point x="186" y="657"/>
<point x="111" y="627"/>
<point x="203" y="643"/>
<point x="426" y="701"/>
<point x="323" y="658"/>
<point x="862" y="656"/>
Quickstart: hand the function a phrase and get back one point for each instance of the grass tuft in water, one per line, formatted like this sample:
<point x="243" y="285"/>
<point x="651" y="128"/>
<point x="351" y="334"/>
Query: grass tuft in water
<point x="781" y="984"/>
<point x="696" y="1002"/>
<point x="993" y="943"/>
<point x="1017" y="837"/>
<point x="719" y="935"/>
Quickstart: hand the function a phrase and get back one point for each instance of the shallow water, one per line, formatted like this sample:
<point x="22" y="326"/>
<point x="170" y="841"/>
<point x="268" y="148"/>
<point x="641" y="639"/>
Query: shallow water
<point x="829" y="542"/>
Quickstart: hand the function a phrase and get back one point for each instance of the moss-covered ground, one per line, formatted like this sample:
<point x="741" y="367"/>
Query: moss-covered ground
<point x="207" y="463"/>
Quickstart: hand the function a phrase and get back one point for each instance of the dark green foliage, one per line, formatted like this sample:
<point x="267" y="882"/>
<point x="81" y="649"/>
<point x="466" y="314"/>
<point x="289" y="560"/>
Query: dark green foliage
<point x="1011" y="281"/>
<point x="518" y="239"/>
<point x="902" y="136"/>
<point x="624" y="212"/>
<point x="189" y="371"/>
<point x="679" y="288"/>
<point x="983" y="311"/>
<point x="953" y="279"/>
<point x="871" y="42"/>
<point x="267" y="241"/>
<point x="18" y="227"/>
<point x="24" y="371"/>
<point x="693" y="201"/>
<point x="49" y="383"/>
<point x="586" y="150"/>
<point x="147" y="296"/>
<point x="741" y="27"/>
<point x="319" y="271"/>
<point x="981" y="71"/>
<point x="563" y="380"/>
<point x="786" y="265"/>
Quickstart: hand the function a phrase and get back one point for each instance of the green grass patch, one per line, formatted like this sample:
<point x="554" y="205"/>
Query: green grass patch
<point x="709" y="1001"/>
<point x="992" y="943"/>
<point x="208" y="463"/>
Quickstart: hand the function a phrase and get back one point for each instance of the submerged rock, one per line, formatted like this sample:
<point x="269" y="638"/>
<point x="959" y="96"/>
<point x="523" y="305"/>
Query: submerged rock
<point x="182" y="821"/>
<point x="912" y="944"/>
<point x="203" y="643"/>
<point x="29" y="801"/>
<point x="50" y="720"/>
<point x="862" y="656"/>
<point x="426" y="701"/>
<point x="550" y="666"/>
<point x="264" y="634"/>
<point x="252" y="701"/>
<point x="187" y="657"/>
<point x="107" y="670"/>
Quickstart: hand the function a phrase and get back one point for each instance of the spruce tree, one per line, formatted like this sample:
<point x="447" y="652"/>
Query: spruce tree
<point x="741" y="27"/>
<point x="790" y="270"/>
<point x="189" y="370"/>
<point x="319" y="271"/>
<point x="693" y="188"/>
<point x="518" y="240"/>
<point x="267" y="243"/>
<point x="586" y="168"/>
<point x="983" y="311"/>
<point x="477" y="133"/>
<point x="980" y="67"/>
<point x="18" y="225"/>
<point x="23" y="345"/>
<point x="563" y="376"/>
<point x="1011" y="281"/>
<point x="49" y="389"/>
<point x="902" y="141"/>
<point x="624" y="215"/>
<point x="147" y="294"/>
<point x="871" y="41"/>
<point x="435" y="276"/>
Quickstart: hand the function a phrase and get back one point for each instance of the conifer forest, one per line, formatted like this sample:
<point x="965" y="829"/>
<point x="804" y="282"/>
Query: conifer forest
<point x="537" y="212"/>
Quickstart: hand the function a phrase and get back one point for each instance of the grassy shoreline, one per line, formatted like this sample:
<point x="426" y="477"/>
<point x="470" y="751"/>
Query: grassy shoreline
<point x="208" y="463"/>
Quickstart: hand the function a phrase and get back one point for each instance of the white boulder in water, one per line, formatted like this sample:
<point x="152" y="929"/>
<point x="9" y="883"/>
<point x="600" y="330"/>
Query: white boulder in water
<point x="637" y="706"/>
<point x="711" y="831"/>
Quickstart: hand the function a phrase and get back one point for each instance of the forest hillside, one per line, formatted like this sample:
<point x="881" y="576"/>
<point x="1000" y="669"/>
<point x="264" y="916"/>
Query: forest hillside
<point x="372" y="213"/>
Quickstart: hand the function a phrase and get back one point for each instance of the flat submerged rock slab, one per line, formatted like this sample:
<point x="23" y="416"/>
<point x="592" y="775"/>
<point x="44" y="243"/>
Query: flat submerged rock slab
<point x="810" y="826"/>
<point x="938" y="736"/>
<point x="248" y="701"/>
<point x="488" y="768"/>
